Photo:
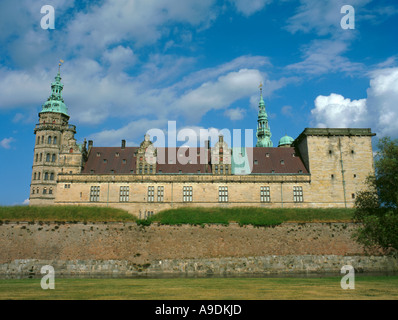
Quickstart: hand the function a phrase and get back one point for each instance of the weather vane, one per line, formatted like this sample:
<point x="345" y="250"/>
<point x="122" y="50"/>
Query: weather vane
<point x="59" y="64"/>
<point x="261" y="87"/>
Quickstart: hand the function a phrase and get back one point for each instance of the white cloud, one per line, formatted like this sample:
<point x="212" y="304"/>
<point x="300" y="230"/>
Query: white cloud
<point x="321" y="17"/>
<point x="378" y="111"/>
<point x="335" y="111"/>
<point x="235" y="114"/>
<point x="26" y="202"/>
<point x="325" y="56"/>
<point x="248" y="7"/>
<point x="5" y="143"/>
<point x="287" y="111"/>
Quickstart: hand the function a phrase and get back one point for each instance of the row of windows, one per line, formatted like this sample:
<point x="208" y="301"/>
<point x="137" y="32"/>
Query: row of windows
<point x="187" y="194"/>
<point x="49" y="140"/>
<point x="36" y="190"/>
<point x="49" y="157"/>
<point x="46" y="176"/>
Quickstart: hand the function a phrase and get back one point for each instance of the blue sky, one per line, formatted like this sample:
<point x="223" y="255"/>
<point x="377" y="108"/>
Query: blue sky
<point x="131" y="66"/>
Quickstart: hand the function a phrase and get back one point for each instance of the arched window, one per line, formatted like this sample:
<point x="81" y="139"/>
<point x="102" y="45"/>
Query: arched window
<point x="49" y="140"/>
<point x="42" y="139"/>
<point x="46" y="176"/>
<point x="33" y="190"/>
<point x="48" y="157"/>
<point x="34" y="176"/>
<point x="44" y="190"/>
<point x="50" y="191"/>
<point x="52" y="176"/>
<point x="55" y="140"/>
<point x="38" y="140"/>
<point x="53" y="158"/>
<point x="37" y="157"/>
<point x="38" y="178"/>
<point x="41" y="156"/>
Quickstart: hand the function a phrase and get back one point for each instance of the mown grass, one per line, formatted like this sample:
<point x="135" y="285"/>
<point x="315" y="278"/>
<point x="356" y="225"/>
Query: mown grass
<point x="194" y="216"/>
<point x="64" y="214"/>
<point x="366" y="288"/>
<point x="249" y="216"/>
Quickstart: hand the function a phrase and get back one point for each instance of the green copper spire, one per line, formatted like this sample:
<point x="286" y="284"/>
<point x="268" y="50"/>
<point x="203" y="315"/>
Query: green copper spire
<point x="263" y="129"/>
<point x="55" y="103"/>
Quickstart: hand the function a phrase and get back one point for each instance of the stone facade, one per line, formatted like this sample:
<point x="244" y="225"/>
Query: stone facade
<point x="321" y="168"/>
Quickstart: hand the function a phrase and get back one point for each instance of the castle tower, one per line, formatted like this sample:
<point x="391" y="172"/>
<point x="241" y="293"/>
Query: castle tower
<point x="55" y="149"/>
<point x="263" y="129"/>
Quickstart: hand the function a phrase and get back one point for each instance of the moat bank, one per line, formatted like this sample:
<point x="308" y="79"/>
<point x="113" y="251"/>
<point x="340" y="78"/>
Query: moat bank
<point x="125" y="248"/>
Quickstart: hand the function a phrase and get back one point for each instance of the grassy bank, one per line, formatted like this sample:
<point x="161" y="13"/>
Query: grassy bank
<point x="193" y="216"/>
<point x="252" y="216"/>
<point x="63" y="214"/>
<point x="366" y="287"/>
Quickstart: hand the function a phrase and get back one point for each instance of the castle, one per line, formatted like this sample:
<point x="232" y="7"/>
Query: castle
<point x="322" y="167"/>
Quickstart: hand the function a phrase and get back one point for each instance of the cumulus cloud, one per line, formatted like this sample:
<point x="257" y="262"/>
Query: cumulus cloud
<point x="335" y="111"/>
<point x="378" y="111"/>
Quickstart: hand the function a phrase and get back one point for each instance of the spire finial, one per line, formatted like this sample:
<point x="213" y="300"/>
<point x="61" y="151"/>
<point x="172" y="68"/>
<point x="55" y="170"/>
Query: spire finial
<point x="261" y="88"/>
<point x="59" y="65"/>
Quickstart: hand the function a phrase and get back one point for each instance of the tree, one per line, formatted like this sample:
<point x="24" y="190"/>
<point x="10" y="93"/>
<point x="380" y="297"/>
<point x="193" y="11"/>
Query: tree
<point x="377" y="206"/>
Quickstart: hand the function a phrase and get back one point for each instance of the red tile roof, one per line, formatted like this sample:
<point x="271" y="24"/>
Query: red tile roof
<point x="102" y="160"/>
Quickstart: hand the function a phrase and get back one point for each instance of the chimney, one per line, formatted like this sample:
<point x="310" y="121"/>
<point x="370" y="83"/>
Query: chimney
<point x="90" y="143"/>
<point x="123" y="144"/>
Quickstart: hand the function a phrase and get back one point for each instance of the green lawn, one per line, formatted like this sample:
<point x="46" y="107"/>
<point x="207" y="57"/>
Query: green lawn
<point x="366" y="287"/>
<point x="197" y="216"/>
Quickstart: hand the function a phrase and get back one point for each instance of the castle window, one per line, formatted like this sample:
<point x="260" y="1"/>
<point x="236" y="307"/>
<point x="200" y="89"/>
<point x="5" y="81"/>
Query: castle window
<point x="37" y="157"/>
<point x="71" y="150"/>
<point x="98" y="154"/>
<point x="221" y="150"/>
<point x="160" y="194"/>
<point x="226" y="169"/>
<point x="255" y="161"/>
<point x="94" y="193"/>
<point x="33" y="190"/>
<point x="38" y="177"/>
<point x="44" y="190"/>
<point x="34" y="176"/>
<point x="272" y="171"/>
<point x="124" y="194"/>
<point x="267" y="155"/>
<point x="52" y="176"/>
<point x="91" y="171"/>
<point x="112" y="171"/>
<point x="179" y="171"/>
<point x="151" y="194"/>
<point x="221" y="170"/>
<point x="282" y="162"/>
<point x="49" y="140"/>
<point x="104" y="161"/>
<point x="42" y="139"/>
<point x="67" y="186"/>
<point x="46" y="176"/>
<point x="47" y="157"/>
<point x="300" y="171"/>
<point x="37" y="190"/>
<point x="332" y="176"/>
<point x="160" y="171"/>
<point x="355" y="175"/>
<point x="50" y="191"/>
<point x="38" y="140"/>
<point x="124" y="161"/>
<point x="131" y="171"/>
<point x="265" y="194"/>
<point x="352" y="151"/>
<point x="330" y="152"/>
<point x="298" y="194"/>
<point x="353" y="195"/>
<point x="145" y="169"/>
<point x="53" y="158"/>
<point x="55" y="140"/>
<point x="216" y="169"/>
<point x="41" y="156"/>
<point x="116" y="154"/>
<point x="150" y="169"/>
<point x="198" y="171"/>
<point x="222" y="194"/>
<point x="187" y="194"/>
